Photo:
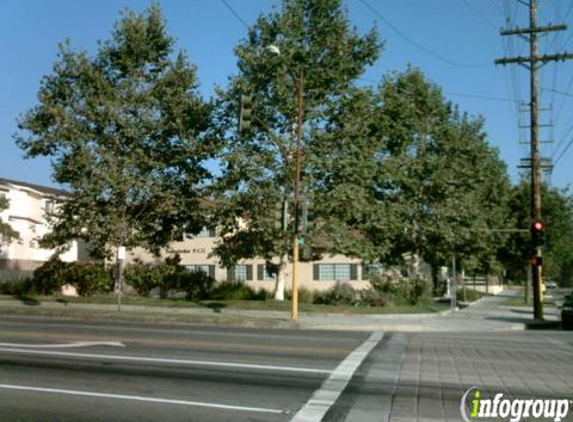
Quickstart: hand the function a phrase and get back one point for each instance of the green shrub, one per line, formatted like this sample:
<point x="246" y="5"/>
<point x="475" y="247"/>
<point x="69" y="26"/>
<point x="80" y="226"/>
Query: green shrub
<point x="339" y="294"/>
<point x="89" y="278"/>
<point x="49" y="277"/>
<point x="17" y="287"/>
<point x="143" y="277"/>
<point x="232" y="290"/>
<point x="405" y="291"/>
<point x="373" y="297"/>
<point x="305" y="295"/>
<point x="470" y="295"/>
<point x="196" y="284"/>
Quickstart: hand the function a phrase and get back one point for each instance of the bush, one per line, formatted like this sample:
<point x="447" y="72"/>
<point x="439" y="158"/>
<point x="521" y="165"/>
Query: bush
<point x="17" y="287"/>
<point x="87" y="277"/>
<point x="196" y="284"/>
<point x="144" y="277"/>
<point x="373" y="297"/>
<point x="304" y="295"/>
<point x="470" y="296"/>
<point x="339" y="294"/>
<point x="405" y="291"/>
<point x="233" y="290"/>
<point x="49" y="277"/>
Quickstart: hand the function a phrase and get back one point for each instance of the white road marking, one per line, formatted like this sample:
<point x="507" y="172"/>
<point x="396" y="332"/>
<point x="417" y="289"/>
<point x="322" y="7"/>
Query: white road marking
<point x="323" y="399"/>
<point x="68" y="345"/>
<point x="169" y="361"/>
<point x="139" y="398"/>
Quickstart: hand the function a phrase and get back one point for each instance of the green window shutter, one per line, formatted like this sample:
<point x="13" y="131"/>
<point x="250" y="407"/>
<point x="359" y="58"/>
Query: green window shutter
<point x="212" y="271"/>
<point x="364" y="271"/>
<point x="315" y="271"/>
<point x="260" y="272"/>
<point x="353" y="271"/>
<point x="212" y="233"/>
<point x="231" y="273"/>
<point x="249" y="272"/>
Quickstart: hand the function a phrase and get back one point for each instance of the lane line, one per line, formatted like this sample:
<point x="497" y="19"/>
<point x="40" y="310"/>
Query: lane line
<point x="65" y="345"/>
<point x="323" y="398"/>
<point x="188" y="331"/>
<point x="140" y="398"/>
<point x="169" y="361"/>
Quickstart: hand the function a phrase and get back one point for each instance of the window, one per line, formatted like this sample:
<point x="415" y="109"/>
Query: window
<point x="206" y="268"/>
<point x="336" y="272"/>
<point x="263" y="273"/>
<point x="48" y="207"/>
<point x="206" y="233"/>
<point x="368" y="270"/>
<point x="240" y="273"/>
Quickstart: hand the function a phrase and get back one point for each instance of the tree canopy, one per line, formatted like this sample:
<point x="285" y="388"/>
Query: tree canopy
<point x="408" y="173"/>
<point x="125" y="132"/>
<point x="7" y="233"/>
<point x="557" y="215"/>
<point x="318" y="53"/>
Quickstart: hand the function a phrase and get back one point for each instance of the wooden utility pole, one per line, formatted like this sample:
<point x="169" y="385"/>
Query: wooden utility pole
<point x="534" y="62"/>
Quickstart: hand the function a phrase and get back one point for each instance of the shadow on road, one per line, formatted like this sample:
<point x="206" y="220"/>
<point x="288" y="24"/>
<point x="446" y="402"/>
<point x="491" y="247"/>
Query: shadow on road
<point x="26" y="300"/>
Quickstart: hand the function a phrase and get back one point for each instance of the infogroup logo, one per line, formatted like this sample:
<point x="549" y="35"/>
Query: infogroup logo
<point x="476" y="405"/>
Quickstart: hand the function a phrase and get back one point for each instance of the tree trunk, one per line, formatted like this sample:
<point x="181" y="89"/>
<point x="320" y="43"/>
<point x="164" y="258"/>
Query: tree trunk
<point x="280" y="280"/>
<point x="463" y="283"/>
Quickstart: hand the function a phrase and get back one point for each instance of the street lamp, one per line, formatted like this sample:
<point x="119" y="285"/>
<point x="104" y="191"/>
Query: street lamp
<point x="299" y="88"/>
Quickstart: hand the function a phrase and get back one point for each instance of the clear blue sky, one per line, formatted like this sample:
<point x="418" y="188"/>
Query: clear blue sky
<point x="454" y="42"/>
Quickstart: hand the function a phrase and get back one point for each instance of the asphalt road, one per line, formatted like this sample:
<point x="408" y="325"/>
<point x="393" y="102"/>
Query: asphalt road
<point x="54" y="370"/>
<point x="60" y="371"/>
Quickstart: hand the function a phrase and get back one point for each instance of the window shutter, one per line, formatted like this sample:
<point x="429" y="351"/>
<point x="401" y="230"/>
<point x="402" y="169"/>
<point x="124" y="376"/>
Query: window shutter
<point x="365" y="271"/>
<point x="231" y="273"/>
<point x="315" y="271"/>
<point x="353" y="271"/>
<point x="212" y="271"/>
<point x="212" y="233"/>
<point x="260" y="272"/>
<point x="249" y="272"/>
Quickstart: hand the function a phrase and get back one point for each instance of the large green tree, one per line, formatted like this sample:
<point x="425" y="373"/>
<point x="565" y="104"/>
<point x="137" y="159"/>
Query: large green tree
<point x="314" y="60"/>
<point x="557" y="214"/>
<point x="410" y="174"/>
<point x="124" y="130"/>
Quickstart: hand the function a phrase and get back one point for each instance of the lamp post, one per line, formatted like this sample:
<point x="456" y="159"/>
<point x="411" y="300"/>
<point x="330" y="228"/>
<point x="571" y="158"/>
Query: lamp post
<point x="299" y="89"/>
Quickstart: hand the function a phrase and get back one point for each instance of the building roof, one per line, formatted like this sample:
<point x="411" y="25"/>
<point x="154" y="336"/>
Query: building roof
<point x="42" y="189"/>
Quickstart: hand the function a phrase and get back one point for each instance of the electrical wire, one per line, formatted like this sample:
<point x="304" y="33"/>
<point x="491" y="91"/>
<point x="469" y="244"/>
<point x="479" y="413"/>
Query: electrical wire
<point x="235" y="13"/>
<point x="414" y="43"/>
<point x="481" y="15"/>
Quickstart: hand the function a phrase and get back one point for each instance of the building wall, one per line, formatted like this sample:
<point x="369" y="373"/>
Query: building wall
<point x="26" y="215"/>
<point x="196" y="252"/>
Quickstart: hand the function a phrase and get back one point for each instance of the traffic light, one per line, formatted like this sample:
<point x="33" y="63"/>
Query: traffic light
<point x="246" y="112"/>
<point x="307" y="216"/>
<point x="281" y="215"/>
<point x="538" y="233"/>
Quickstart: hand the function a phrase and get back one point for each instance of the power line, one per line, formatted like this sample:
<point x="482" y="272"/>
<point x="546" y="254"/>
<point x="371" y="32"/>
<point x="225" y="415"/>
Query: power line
<point x="481" y="15"/>
<point x="235" y="14"/>
<point x="563" y="152"/>
<point x="414" y="43"/>
<point x="555" y="91"/>
<point x="484" y="97"/>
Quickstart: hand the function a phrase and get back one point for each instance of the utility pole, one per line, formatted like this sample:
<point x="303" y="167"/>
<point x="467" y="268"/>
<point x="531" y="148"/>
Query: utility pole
<point x="297" y="238"/>
<point x="534" y="62"/>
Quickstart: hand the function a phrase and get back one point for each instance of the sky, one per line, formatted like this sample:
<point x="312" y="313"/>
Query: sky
<point x="454" y="42"/>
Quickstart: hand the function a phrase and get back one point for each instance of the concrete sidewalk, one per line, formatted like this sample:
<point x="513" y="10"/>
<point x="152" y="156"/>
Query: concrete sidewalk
<point x="486" y="315"/>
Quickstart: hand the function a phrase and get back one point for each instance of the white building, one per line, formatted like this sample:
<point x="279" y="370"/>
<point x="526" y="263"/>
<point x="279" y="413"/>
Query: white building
<point x="29" y="206"/>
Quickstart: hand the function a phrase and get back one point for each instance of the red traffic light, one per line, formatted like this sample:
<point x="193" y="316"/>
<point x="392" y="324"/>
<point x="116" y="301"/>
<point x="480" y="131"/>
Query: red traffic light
<point x="538" y="225"/>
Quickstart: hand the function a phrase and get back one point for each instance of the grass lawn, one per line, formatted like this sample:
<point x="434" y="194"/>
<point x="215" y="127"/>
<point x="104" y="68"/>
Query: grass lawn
<point x="519" y="300"/>
<point x="259" y="305"/>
